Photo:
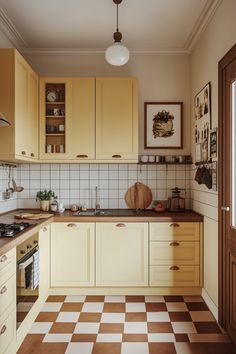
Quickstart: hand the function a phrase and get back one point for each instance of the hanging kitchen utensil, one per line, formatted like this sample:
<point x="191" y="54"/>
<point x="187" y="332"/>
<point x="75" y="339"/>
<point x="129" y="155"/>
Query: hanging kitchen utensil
<point x="138" y="196"/>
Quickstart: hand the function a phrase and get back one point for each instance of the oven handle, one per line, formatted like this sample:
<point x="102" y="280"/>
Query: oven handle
<point x="25" y="264"/>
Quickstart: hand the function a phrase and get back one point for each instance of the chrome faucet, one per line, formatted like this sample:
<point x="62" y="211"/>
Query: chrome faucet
<point x="97" y="204"/>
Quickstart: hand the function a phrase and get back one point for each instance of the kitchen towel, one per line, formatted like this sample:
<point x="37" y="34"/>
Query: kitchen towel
<point x="35" y="270"/>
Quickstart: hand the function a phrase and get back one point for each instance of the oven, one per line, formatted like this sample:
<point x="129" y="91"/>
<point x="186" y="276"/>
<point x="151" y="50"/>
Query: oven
<point x="27" y="276"/>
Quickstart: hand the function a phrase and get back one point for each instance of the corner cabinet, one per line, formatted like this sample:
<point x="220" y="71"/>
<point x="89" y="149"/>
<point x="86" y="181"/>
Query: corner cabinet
<point x="117" y="119"/>
<point x="67" y="119"/>
<point x="19" y="104"/>
<point x="122" y="254"/>
<point x="72" y="254"/>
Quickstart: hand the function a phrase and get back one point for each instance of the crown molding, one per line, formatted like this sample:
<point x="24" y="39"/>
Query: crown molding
<point x="18" y="41"/>
<point x="11" y="32"/>
<point x="96" y="51"/>
<point x="200" y="26"/>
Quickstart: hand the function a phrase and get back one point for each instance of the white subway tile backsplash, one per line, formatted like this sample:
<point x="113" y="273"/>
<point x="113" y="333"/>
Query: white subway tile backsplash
<point x="75" y="183"/>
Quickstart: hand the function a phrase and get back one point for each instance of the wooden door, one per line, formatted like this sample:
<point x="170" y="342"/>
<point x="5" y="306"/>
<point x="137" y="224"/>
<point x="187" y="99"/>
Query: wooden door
<point x="81" y="127"/>
<point x="72" y="254"/>
<point x="122" y="254"/>
<point x="227" y="197"/>
<point x="116" y="119"/>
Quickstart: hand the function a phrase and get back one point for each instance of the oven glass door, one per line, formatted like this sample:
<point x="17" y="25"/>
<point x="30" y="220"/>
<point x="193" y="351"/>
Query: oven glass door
<point x="27" y="284"/>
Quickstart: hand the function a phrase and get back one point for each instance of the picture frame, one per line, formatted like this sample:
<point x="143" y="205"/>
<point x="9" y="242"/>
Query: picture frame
<point x="202" y="113"/>
<point x="213" y="143"/>
<point x="163" y="125"/>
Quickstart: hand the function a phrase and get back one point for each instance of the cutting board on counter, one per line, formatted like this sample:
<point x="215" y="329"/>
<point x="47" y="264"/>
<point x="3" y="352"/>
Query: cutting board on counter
<point x="29" y="216"/>
<point x="138" y="196"/>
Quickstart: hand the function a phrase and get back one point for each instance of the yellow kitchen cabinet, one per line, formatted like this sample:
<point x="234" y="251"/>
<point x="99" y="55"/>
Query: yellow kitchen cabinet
<point x="19" y="104"/>
<point x="72" y="254"/>
<point x="117" y="119"/>
<point x="67" y="119"/>
<point x="175" y="255"/>
<point x="8" y="302"/>
<point x="122" y="254"/>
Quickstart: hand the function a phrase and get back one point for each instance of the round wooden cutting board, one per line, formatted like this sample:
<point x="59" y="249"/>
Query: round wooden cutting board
<point x="138" y="196"/>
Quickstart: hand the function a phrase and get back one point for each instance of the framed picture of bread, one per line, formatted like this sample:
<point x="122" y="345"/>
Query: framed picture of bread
<point x="163" y="125"/>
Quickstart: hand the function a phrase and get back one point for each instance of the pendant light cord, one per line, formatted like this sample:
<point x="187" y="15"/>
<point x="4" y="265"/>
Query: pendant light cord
<point x="117" y="17"/>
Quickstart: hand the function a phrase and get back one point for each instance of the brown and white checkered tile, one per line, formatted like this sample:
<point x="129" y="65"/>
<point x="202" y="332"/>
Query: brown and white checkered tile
<point x="125" y="325"/>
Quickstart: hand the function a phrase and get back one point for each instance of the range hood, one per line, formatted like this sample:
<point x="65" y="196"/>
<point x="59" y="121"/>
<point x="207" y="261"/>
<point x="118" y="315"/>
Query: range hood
<point x="3" y="121"/>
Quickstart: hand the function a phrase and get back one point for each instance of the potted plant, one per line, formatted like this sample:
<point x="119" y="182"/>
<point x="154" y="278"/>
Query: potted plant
<point x="45" y="197"/>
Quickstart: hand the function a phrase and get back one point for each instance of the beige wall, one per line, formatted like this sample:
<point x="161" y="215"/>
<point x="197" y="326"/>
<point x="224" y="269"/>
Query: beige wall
<point x="161" y="78"/>
<point x="218" y="38"/>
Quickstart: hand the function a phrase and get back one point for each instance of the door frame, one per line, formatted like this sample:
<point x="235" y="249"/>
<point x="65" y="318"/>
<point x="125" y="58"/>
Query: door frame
<point x="223" y="63"/>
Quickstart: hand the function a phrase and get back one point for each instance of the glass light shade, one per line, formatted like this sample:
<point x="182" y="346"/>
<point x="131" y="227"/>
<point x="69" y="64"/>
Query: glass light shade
<point x="117" y="54"/>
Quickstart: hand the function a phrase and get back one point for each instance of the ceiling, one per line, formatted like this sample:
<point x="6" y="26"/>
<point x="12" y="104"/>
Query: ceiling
<point x="147" y="26"/>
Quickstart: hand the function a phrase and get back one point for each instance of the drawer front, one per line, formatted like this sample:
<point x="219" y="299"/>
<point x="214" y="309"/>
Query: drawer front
<point x="7" y="294"/>
<point x="7" y="331"/>
<point x="174" y="252"/>
<point x="169" y="276"/>
<point x="8" y="260"/>
<point x="168" y="231"/>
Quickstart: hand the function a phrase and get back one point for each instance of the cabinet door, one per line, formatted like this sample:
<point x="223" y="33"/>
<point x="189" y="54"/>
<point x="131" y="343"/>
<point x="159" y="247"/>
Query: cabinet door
<point x="81" y="128"/>
<point x="116" y="119"/>
<point x="22" y="124"/>
<point x="122" y="254"/>
<point x="72" y="254"/>
<point x="33" y="111"/>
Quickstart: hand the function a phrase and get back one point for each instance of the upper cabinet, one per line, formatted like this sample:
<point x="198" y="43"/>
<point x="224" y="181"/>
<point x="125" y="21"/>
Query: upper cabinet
<point x="88" y="119"/>
<point x="116" y="119"/>
<point x="19" y="103"/>
<point x="67" y="119"/>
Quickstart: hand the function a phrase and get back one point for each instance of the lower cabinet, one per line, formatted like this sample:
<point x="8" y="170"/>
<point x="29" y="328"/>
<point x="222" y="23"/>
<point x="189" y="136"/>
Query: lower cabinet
<point x="72" y="254"/>
<point x="122" y="254"/>
<point x="175" y="254"/>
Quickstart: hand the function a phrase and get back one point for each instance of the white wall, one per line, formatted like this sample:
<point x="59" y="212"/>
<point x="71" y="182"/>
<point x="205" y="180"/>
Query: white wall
<point x="161" y="78"/>
<point x="218" y="38"/>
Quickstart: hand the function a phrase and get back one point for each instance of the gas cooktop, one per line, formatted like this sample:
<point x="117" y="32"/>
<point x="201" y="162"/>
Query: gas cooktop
<point x="11" y="230"/>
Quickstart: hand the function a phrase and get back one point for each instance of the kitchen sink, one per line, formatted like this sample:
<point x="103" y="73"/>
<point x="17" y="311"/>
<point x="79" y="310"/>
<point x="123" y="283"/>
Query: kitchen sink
<point x="92" y="213"/>
<point x="109" y="212"/>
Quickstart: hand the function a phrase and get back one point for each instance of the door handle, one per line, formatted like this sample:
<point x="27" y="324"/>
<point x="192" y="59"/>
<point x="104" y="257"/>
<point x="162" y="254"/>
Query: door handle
<point x="225" y="208"/>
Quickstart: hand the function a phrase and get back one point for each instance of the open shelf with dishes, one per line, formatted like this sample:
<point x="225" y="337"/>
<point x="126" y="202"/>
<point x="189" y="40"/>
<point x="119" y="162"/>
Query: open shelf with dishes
<point x="55" y="118"/>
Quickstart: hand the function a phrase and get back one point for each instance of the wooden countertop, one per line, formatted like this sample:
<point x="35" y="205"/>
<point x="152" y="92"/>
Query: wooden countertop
<point x="116" y="215"/>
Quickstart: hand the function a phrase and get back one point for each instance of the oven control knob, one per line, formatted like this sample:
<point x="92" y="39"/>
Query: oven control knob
<point x="35" y="242"/>
<point x="22" y="252"/>
<point x="29" y="247"/>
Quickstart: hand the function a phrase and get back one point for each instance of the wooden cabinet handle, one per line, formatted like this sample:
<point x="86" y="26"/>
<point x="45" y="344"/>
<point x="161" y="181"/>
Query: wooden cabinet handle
<point x="71" y="225"/>
<point x="81" y="156"/>
<point x="3" y="258"/>
<point x="174" y="268"/>
<point x="174" y="244"/>
<point x="3" y="329"/>
<point x="32" y="154"/>
<point x="174" y="224"/>
<point x="116" y="156"/>
<point x="120" y="225"/>
<point x="23" y="152"/>
<point x="3" y="290"/>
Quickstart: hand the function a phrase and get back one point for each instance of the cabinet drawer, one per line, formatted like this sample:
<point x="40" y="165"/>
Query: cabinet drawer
<point x="7" y="261"/>
<point x="7" y="293"/>
<point x="183" y="231"/>
<point x="184" y="253"/>
<point x="7" y="331"/>
<point x="167" y="276"/>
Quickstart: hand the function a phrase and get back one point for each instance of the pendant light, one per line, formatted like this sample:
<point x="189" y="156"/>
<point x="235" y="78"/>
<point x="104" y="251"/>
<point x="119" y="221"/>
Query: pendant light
<point x="117" y="54"/>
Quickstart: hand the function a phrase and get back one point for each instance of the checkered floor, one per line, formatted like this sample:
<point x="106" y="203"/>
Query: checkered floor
<point x="125" y="325"/>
